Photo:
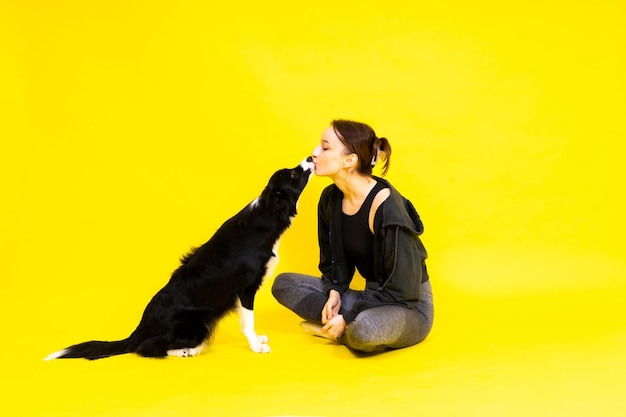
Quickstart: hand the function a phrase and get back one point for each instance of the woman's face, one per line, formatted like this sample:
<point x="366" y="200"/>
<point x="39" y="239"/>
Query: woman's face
<point x="330" y="155"/>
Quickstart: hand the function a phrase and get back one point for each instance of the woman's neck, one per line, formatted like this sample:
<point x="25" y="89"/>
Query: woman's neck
<point x="355" y="189"/>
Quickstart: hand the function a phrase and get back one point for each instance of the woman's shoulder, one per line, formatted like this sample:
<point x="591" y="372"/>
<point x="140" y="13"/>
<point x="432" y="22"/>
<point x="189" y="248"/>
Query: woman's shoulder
<point x="329" y="191"/>
<point x="385" y="184"/>
<point x="328" y="199"/>
<point x="397" y="209"/>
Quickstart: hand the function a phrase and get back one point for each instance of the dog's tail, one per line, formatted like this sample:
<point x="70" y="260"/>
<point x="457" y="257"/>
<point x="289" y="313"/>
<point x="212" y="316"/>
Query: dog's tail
<point x="94" y="350"/>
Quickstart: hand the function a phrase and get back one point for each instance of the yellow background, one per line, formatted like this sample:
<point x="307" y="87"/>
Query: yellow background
<point x="130" y="130"/>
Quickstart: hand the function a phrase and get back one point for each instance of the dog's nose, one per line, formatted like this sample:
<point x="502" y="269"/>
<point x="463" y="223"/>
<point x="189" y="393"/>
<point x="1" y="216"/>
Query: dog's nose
<point x="309" y="159"/>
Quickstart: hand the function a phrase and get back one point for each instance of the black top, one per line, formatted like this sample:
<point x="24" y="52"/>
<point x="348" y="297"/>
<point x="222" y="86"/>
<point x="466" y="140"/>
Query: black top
<point x="358" y="240"/>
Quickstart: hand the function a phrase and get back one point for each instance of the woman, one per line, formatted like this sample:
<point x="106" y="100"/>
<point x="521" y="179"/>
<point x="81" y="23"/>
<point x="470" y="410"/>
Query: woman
<point x="364" y="224"/>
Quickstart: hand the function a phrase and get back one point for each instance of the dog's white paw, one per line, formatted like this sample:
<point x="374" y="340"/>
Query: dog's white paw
<point x="186" y="352"/>
<point x="179" y="353"/>
<point x="264" y="348"/>
<point x="260" y="348"/>
<point x="258" y="344"/>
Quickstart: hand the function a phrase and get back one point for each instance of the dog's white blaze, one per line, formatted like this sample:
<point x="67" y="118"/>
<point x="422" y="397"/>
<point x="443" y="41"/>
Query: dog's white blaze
<point x="55" y="355"/>
<point x="307" y="165"/>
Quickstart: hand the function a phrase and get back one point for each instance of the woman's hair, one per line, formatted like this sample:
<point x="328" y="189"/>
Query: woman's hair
<point x="361" y="140"/>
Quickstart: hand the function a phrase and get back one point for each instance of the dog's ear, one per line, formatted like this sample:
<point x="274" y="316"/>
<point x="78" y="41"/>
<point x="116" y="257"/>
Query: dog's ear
<point x="277" y="200"/>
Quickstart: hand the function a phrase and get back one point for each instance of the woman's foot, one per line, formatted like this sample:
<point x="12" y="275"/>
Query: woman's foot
<point x="316" y="330"/>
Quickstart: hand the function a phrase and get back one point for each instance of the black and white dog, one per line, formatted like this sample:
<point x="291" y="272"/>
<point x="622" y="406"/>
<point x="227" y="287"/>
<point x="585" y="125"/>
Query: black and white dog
<point x="223" y="274"/>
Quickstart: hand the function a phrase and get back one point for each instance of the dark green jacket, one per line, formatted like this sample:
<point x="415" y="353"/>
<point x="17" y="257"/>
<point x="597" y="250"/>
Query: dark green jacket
<point x="399" y="255"/>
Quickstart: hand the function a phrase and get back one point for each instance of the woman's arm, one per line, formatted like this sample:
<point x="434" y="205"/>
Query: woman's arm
<point x="336" y="274"/>
<point x="332" y="306"/>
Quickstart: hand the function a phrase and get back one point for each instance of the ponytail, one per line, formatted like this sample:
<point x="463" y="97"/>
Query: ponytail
<point x="382" y="145"/>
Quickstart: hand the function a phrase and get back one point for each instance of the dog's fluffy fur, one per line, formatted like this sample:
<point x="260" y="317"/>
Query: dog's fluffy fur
<point x="219" y="276"/>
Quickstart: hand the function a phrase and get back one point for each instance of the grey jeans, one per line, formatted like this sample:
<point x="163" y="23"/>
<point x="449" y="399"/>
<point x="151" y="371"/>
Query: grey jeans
<point x="373" y="330"/>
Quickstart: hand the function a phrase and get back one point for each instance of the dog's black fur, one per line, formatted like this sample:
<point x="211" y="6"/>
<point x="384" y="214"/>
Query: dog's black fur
<point x="211" y="279"/>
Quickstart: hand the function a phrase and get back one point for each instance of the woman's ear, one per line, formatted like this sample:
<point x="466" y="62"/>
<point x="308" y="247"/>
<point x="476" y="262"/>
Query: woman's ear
<point x="350" y="161"/>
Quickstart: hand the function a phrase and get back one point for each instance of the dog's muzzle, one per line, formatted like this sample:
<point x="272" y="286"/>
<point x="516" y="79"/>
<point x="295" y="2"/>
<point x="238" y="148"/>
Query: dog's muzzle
<point x="307" y="164"/>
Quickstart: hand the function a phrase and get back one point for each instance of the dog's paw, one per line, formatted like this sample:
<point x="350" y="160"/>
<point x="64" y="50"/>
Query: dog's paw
<point x="186" y="352"/>
<point x="260" y="348"/>
<point x="179" y="353"/>
<point x="258" y="344"/>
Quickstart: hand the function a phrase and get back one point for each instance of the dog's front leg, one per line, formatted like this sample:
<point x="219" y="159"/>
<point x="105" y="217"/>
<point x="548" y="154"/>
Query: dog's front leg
<point x="258" y="343"/>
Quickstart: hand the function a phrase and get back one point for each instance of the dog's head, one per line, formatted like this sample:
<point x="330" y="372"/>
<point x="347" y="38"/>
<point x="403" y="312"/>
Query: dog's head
<point x="285" y="186"/>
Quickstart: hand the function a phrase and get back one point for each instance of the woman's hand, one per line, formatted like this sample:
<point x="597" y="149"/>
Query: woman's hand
<point x="335" y="327"/>
<point x="334" y="324"/>
<point x="331" y="308"/>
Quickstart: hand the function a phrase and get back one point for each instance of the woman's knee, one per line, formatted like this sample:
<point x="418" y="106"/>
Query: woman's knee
<point x="362" y="336"/>
<point x="279" y="280"/>
<point x="383" y="328"/>
<point x="293" y="286"/>
<point x="281" y="284"/>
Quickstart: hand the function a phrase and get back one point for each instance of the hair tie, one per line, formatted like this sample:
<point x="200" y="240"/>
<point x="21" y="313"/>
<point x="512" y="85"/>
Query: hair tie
<point x="377" y="153"/>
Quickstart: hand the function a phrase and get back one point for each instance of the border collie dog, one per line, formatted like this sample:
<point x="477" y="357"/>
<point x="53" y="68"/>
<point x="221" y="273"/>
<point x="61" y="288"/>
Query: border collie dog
<point x="223" y="274"/>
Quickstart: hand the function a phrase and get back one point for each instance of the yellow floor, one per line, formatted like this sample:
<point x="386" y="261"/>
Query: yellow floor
<point x="525" y="354"/>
